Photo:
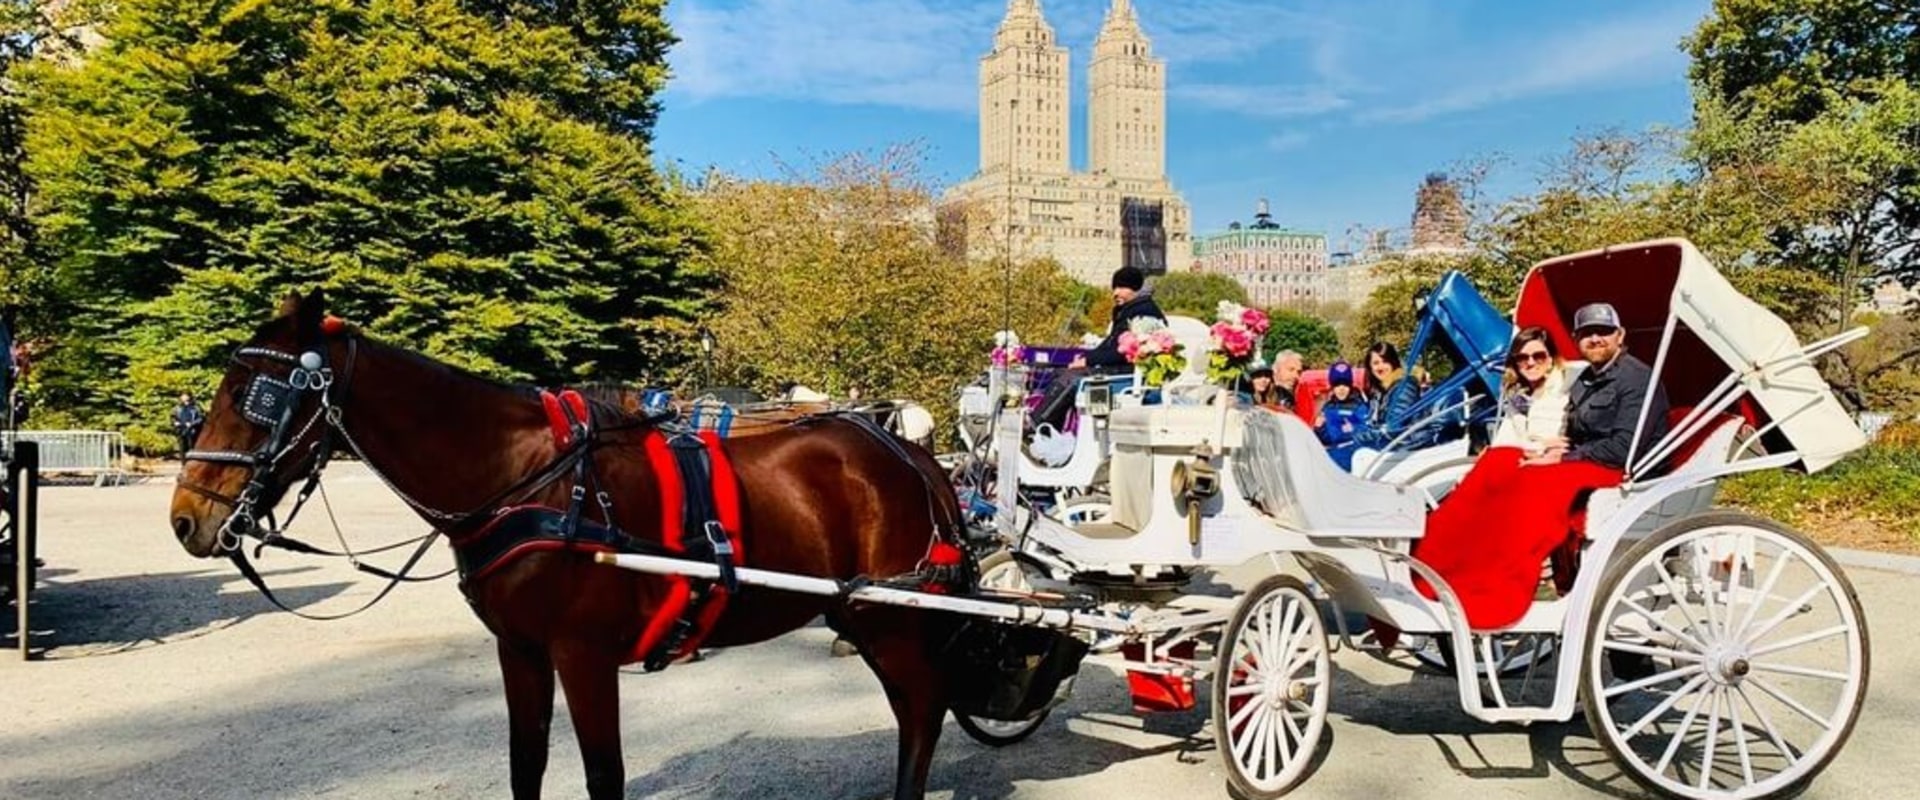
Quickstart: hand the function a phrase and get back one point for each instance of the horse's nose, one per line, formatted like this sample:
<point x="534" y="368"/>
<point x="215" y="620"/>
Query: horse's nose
<point x="183" y="527"/>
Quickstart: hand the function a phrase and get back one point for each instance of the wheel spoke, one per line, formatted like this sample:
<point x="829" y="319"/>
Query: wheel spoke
<point x="1766" y="722"/>
<point x="1664" y="705"/>
<point x="1293" y="729"/>
<point x="1277" y="745"/>
<point x="1648" y="650"/>
<point x="1245" y="689"/>
<point x="1673" y="746"/>
<point x="1679" y="600"/>
<point x="1662" y="625"/>
<point x="1800" y="640"/>
<point x="1713" y="732"/>
<point x="1651" y="680"/>
<point x="1776" y="620"/>
<point x="1740" y="735"/>
<point x="1244" y="747"/>
<point x="1804" y="672"/>
<point x="1703" y="577"/>
<point x="1766" y="591"/>
<point x="1789" y="702"/>
<point x="1243" y="714"/>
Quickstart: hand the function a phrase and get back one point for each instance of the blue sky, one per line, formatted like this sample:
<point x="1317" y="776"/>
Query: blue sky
<point x="1331" y="109"/>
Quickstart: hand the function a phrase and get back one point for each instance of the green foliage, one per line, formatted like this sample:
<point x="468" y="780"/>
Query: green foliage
<point x="833" y="281"/>
<point x="1788" y="60"/>
<point x="468" y="179"/>
<point x="1878" y="485"/>
<point x="1316" y="341"/>
<point x="1830" y="84"/>
<point x="1196" y="294"/>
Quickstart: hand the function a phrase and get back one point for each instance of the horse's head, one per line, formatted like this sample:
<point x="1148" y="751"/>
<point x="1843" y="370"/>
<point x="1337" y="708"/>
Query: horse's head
<point x="266" y="428"/>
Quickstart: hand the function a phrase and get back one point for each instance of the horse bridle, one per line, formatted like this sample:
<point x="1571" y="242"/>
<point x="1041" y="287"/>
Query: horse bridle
<point x="271" y="403"/>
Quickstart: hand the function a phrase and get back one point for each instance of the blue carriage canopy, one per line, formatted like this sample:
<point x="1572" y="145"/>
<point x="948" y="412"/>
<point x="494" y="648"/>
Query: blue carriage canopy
<point x="1474" y="334"/>
<point x="1712" y="348"/>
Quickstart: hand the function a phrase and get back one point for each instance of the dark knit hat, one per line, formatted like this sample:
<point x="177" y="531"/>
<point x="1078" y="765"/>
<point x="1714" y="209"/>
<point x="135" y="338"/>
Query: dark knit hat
<point x="1340" y="374"/>
<point x="1129" y="278"/>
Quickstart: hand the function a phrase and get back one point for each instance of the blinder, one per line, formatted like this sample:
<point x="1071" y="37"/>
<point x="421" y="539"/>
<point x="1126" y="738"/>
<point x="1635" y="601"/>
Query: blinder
<point x="270" y="402"/>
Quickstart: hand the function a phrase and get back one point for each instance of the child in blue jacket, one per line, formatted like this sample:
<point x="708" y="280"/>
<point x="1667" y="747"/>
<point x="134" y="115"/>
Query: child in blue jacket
<point x="1344" y="415"/>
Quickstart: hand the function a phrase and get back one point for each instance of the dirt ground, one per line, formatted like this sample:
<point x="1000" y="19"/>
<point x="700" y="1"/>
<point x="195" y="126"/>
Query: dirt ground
<point x="167" y="677"/>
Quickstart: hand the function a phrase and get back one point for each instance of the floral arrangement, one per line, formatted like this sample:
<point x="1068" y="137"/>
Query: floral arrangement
<point x="1150" y="347"/>
<point x="1007" y="349"/>
<point x="1236" y="338"/>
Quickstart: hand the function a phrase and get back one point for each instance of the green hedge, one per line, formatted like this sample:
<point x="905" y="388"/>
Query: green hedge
<point x="1880" y="484"/>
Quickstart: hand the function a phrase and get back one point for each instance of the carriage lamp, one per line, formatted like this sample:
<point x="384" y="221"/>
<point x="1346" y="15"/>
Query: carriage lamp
<point x="706" y="342"/>
<point x="1099" y="400"/>
<point x="1420" y="301"/>
<point x="1194" y="482"/>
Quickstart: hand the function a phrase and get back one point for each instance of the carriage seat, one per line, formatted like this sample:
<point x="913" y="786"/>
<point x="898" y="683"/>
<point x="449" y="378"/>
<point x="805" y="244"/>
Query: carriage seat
<point x="1711" y="447"/>
<point x="1283" y="469"/>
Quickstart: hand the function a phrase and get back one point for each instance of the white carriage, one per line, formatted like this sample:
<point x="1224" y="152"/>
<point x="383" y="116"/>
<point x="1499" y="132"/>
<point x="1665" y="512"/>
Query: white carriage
<point x="1714" y="654"/>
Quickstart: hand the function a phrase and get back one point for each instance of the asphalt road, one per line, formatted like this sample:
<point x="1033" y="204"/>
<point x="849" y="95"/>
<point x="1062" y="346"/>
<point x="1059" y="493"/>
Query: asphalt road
<point x="167" y="677"/>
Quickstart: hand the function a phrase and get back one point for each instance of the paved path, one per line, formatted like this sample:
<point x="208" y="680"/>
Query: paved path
<point x="168" y="678"/>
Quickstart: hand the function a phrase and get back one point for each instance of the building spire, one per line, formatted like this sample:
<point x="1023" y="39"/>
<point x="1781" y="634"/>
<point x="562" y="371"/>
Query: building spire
<point x="1024" y="24"/>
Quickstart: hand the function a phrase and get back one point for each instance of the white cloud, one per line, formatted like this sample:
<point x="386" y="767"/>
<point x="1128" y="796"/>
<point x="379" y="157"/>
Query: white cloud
<point x="1618" y="53"/>
<point x="920" y="54"/>
<point x="1291" y="140"/>
<point x="925" y="54"/>
<point x="1255" y="100"/>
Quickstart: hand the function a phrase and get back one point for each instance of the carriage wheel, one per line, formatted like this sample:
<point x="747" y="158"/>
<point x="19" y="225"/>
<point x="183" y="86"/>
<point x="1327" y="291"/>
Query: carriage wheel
<point x="1727" y="659"/>
<point x="1270" y="689"/>
<point x="1000" y="570"/>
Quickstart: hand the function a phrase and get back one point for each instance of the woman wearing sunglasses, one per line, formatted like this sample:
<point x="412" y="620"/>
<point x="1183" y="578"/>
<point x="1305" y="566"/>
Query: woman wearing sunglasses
<point x="1534" y="399"/>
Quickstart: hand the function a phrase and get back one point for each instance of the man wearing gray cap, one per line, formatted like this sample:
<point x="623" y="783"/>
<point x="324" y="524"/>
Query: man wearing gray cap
<point x="1608" y="395"/>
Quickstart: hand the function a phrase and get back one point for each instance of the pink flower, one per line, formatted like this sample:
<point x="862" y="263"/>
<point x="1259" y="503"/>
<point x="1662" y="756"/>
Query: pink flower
<point x="1130" y="346"/>
<point x="1232" y="340"/>
<point x="1163" y="341"/>
<point x="1256" y="321"/>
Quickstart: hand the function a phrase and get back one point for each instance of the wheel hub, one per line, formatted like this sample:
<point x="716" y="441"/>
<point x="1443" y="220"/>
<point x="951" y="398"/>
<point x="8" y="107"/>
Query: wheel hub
<point x="1728" y="667"/>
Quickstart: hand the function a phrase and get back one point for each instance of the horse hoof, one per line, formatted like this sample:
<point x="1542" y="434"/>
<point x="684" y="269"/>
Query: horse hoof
<point x="843" y="648"/>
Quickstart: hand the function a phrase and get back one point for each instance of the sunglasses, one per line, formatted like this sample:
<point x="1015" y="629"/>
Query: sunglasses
<point x="1537" y="357"/>
<point x="1594" y="333"/>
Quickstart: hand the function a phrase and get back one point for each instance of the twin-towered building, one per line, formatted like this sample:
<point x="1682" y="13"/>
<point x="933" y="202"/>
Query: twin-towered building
<point x="1026" y="201"/>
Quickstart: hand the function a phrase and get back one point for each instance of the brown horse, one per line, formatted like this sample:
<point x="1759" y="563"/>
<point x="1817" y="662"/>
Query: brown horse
<point x="822" y="497"/>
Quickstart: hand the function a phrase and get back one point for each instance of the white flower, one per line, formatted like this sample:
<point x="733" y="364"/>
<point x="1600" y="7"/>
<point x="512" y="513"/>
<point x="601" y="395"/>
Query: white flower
<point x="1141" y="326"/>
<point x="1006" y="339"/>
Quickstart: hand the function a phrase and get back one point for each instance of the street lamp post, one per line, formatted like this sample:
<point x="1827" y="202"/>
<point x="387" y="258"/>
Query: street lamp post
<point x="706" y="362"/>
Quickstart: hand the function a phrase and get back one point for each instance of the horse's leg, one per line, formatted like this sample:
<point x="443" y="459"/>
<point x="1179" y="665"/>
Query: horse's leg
<point x="894" y="643"/>
<point x="591" y="678"/>
<point x="529" y="681"/>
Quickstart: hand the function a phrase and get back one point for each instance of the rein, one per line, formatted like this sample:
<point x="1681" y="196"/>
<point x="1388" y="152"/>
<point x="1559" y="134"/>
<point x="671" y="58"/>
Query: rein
<point x="271" y="403"/>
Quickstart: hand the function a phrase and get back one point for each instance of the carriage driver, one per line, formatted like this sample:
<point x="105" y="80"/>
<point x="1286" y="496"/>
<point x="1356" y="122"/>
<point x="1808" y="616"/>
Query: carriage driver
<point x="1131" y="301"/>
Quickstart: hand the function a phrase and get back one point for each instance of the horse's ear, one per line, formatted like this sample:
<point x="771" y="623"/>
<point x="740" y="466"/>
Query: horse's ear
<point x="312" y="308"/>
<point x="289" y="304"/>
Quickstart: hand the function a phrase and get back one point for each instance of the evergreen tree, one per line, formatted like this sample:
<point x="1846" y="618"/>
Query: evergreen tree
<point x="471" y="179"/>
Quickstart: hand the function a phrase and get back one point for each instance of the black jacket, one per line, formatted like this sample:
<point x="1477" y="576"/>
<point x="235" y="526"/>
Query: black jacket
<point x="1106" y="356"/>
<point x="1605" y="408"/>
<point x="187" y="416"/>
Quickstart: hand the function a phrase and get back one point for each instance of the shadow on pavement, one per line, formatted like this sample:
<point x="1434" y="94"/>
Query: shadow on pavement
<point x="82" y="618"/>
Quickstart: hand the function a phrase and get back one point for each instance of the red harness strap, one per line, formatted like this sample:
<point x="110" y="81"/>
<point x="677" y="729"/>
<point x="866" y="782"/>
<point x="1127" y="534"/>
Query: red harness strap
<point x="726" y="499"/>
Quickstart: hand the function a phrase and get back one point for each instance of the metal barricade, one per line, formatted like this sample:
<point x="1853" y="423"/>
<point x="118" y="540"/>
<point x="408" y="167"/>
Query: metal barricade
<point x="95" y="453"/>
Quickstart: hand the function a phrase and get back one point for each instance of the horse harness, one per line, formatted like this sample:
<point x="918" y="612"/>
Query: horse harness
<point x="701" y="498"/>
<point x="700" y="520"/>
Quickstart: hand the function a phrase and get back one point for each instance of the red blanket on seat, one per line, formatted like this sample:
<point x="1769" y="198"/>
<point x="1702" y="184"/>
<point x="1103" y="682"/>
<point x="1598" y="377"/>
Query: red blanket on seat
<point x="1490" y="536"/>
